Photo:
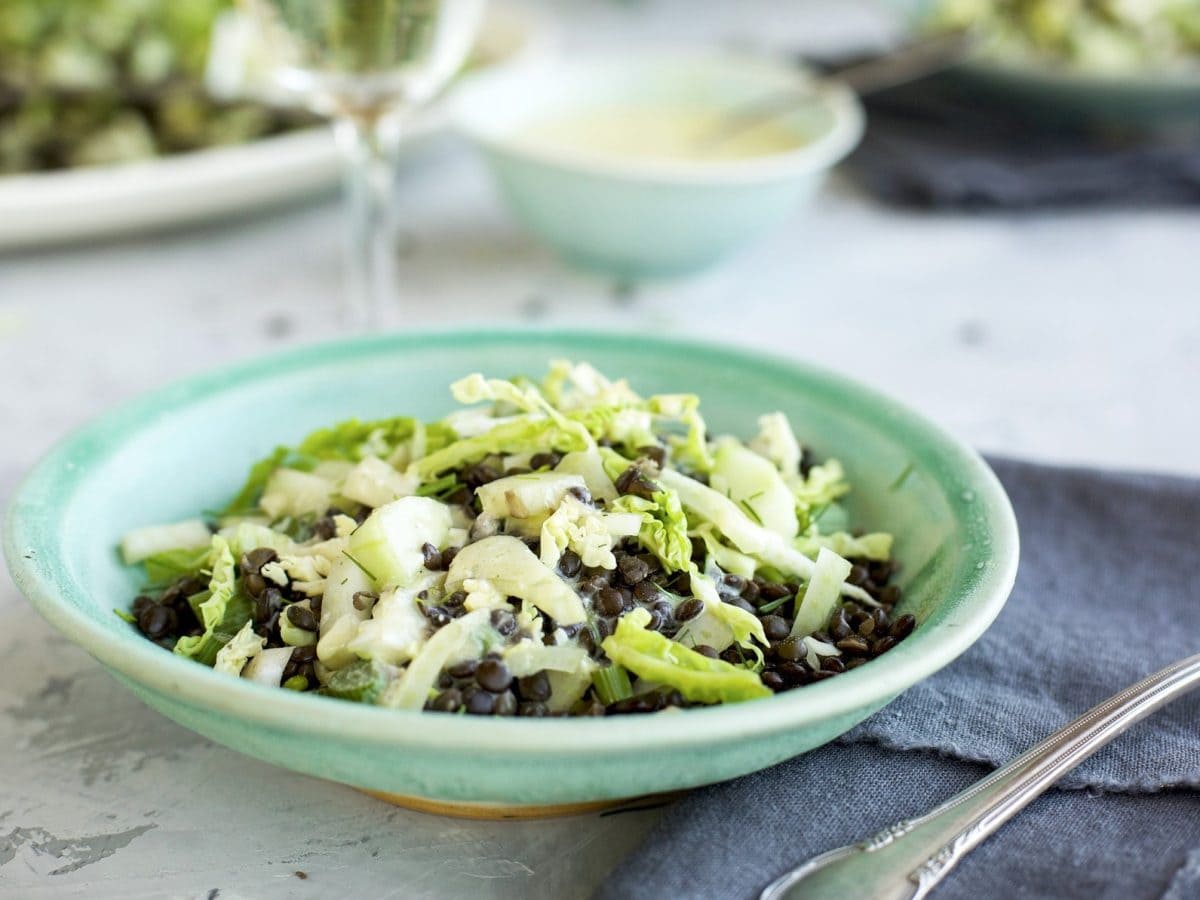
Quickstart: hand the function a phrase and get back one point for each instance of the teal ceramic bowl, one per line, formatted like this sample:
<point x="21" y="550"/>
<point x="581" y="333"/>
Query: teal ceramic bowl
<point x="1056" y="95"/>
<point x="186" y="447"/>
<point x="636" y="217"/>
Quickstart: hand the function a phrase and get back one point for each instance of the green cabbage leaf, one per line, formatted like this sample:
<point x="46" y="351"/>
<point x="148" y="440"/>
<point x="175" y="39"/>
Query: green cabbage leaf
<point x="223" y="613"/>
<point x="658" y="659"/>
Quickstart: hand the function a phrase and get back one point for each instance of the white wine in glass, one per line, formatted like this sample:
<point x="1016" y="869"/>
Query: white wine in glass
<point x="367" y="64"/>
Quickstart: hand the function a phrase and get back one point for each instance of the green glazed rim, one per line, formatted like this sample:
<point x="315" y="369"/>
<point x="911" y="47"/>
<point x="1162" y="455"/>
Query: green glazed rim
<point x="32" y="544"/>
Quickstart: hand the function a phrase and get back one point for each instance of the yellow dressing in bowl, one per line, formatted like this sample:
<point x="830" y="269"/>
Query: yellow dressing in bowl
<point x="662" y="134"/>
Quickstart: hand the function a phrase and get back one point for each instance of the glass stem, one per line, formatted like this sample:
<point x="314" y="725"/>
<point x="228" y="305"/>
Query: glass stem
<point x="369" y="146"/>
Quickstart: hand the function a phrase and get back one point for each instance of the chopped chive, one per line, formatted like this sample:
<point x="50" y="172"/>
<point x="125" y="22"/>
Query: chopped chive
<point x="902" y="477"/>
<point x="125" y="616"/>
<point x="365" y="570"/>
<point x="749" y="510"/>
<point x="775" y="604"/>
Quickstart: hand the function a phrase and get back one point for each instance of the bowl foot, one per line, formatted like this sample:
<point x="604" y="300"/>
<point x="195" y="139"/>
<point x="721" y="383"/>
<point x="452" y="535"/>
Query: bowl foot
<point x="467" y="810"/>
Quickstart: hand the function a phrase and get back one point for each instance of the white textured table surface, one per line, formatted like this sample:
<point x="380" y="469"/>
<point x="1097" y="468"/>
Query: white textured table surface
<point x="1061" y="337"/>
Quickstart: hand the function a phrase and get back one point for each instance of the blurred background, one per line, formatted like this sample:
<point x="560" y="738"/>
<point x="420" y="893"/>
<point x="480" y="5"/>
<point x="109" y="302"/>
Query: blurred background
<point x="1009" y="248"/>
<point x="1001" y="232"/>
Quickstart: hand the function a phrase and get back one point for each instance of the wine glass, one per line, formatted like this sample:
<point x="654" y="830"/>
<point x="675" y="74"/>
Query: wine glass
<point x="367" y="65"/>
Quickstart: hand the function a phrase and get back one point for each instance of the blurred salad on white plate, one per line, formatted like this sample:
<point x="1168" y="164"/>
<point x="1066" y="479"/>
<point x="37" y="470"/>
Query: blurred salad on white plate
<point x="1098" y="37"/>
<point x="130" y="115"/>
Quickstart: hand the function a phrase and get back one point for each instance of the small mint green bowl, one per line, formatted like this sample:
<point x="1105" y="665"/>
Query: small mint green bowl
<point x="186" y="447"/>
<point x="645" y="217"/>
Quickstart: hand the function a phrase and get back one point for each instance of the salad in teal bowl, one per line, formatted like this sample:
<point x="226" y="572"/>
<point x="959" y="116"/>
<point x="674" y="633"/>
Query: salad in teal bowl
<point x="562" y="547"/>
<point x="453" y="585"/>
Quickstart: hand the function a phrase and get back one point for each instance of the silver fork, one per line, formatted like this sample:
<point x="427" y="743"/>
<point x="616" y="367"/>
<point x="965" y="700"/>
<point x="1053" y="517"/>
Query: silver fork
<point x="907" y="860"/>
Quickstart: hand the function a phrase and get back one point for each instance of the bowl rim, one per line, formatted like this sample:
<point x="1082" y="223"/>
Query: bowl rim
<point x="1035" y="73"/>
<point x="834" y="144"/>
<point x="31" y="534"/>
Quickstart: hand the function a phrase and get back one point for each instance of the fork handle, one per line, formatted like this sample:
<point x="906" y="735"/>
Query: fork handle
<point x="924" y="850"/>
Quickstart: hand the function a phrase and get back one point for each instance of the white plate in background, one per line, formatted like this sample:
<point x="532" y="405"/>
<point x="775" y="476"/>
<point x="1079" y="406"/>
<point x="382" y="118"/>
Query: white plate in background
<point x="106" y="201"/>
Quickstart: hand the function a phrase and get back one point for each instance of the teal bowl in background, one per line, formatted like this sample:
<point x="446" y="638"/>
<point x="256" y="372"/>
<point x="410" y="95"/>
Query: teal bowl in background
<point x="1145" y="101"/>
<point x="639" y="218"/>
<point x="186" y="447"/>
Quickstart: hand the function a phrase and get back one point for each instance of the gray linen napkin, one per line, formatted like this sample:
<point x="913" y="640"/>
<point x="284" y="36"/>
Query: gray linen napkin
<point x="1107" y="592"/>
<point x="939" y="143"/>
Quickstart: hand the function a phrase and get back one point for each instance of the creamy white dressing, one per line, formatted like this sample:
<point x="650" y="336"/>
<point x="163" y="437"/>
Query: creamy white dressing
<point x="662" y="133"/>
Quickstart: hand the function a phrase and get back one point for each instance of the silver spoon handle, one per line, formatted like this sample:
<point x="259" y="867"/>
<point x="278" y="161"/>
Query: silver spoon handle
<point x="906" y="860"/>
<point x="926" y="56"/>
